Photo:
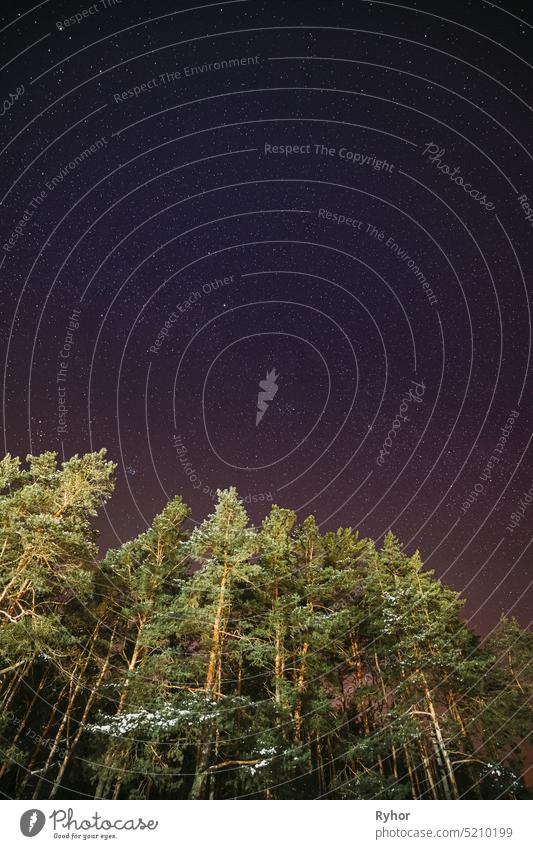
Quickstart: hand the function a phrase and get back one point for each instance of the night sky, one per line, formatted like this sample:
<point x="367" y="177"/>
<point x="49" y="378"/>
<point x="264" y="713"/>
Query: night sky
<point x="332" y="198"/>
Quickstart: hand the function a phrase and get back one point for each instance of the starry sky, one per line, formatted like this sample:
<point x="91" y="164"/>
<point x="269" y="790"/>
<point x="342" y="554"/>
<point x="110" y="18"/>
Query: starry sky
<point x="333" y="200"/>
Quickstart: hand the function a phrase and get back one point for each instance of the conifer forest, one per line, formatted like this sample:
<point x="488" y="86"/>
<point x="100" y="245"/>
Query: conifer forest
<point x="224" y="660"/>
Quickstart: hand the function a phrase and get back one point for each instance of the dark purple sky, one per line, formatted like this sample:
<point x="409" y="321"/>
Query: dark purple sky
<point x="336" y="191"/>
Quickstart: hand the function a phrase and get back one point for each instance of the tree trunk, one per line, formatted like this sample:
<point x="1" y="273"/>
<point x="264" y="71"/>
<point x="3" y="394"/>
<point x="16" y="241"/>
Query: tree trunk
<point x="440" y="740"/>
<point x="300" y="684"/>
<point x="204" y="747"/>
<point x="37" y="748"/>
<point x="279" y="664"/>
<point x="427" y="770"/>
<point x="88" y="705"/>
<point x="23" y="722"/>
<point x="105" y="780"/>
<point x="74" y="690"/>
<point x="57" y="739"/>
<point x="410" y="772"/>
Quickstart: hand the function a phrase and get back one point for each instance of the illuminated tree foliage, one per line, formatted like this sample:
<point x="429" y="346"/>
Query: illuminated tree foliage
<point x="223" y="660"/>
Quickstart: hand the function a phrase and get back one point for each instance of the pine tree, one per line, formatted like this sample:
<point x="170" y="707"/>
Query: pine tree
<point x="141" y="578"/>
<point x="278" y="663"/>
<point x="222" y="547"/>
<point x="47" y="633"/>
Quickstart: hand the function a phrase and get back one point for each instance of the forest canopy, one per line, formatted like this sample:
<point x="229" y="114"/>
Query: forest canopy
<point x="223" y="660"/>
